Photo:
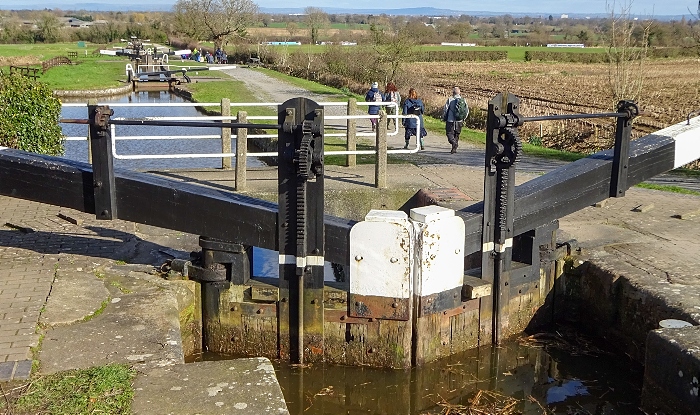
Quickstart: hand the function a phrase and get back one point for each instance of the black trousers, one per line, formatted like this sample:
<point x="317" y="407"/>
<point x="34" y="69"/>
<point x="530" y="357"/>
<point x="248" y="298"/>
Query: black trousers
<point x="453" y="130"/>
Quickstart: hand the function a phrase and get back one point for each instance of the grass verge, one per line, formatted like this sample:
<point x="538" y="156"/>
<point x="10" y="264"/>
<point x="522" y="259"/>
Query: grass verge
<point x="98" y="390"/>
<point x="335" y="94"/>
<point x="668" y="188"/>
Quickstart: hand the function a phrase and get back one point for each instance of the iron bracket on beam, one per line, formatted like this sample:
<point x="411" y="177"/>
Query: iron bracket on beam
<point x="222" y="261"/>
<point x="621" y="157"/>
<point x="104" y="188"/>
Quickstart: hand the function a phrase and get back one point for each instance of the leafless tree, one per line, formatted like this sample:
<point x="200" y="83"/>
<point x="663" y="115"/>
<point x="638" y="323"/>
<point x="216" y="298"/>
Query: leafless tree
<point x="628" y="40"/>
<point x="214" y="20"/>
<point x="315" y="20"/>
<point x="393" y="47"/>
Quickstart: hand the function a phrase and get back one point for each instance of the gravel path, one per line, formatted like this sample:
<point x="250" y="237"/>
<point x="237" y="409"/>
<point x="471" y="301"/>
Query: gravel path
<point x="437" y="150"/>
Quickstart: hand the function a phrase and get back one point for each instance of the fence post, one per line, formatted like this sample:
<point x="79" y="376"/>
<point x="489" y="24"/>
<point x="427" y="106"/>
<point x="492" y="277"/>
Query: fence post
<point x="352" y="130"/>
<point x="92" y="102"/>
<point x="226" y="134"/>
<point x="241" y="152"/>
<point x="381" y="152"/>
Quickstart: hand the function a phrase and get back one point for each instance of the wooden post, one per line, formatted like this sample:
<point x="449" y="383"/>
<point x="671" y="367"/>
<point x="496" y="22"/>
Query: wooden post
<point x="352" y="130"/>
<point x="241" y="152"/>
<point x="381" y="151"/>
<point x="226" y="135"/>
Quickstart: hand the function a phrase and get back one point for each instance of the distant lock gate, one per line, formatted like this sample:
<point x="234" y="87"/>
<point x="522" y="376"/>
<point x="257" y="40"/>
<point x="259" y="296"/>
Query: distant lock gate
<point x="422" y="285"/>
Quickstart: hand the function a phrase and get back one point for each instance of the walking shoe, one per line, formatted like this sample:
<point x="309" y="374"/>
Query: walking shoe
<point x="405" y="147"/>
<point x="453" y="150"/>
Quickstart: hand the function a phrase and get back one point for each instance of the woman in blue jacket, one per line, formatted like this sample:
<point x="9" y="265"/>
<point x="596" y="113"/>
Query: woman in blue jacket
<point x="413" y="106"/>
<point x="374" y="95"/>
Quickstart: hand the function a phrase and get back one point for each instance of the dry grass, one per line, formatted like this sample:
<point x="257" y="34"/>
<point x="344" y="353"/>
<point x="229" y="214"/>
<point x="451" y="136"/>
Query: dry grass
<point x="671" y="91"/>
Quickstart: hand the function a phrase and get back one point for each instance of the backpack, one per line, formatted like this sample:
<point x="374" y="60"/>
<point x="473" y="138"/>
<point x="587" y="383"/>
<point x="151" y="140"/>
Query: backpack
<point x="414" y="109"/>
<point x="461" y="109"/>
<point x="393" y="97"/>
<point x="378" y="97"/>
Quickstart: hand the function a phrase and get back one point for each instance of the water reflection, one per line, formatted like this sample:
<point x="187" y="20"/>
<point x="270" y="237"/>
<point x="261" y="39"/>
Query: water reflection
<point x="78" y="150"/>
<point x="529" y="377"/>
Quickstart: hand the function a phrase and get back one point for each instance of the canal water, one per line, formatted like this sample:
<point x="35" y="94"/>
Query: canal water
<point x="557" y="372"/>
<point x="78" y="150"/>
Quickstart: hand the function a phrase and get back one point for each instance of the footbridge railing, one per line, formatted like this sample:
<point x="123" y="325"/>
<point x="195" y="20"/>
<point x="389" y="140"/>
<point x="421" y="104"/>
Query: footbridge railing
<point x="422" y="284"/>
<point x="242" y="135"/>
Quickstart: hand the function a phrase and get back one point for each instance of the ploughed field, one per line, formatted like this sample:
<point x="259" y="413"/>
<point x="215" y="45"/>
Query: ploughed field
<point x="670" y="92"/>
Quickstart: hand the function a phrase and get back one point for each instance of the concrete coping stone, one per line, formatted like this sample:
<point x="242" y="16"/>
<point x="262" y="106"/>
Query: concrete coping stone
<point x="240" y="386"/>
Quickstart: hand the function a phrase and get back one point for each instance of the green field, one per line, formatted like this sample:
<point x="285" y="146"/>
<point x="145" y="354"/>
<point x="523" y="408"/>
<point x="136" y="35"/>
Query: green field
<point x="91" y="71"/>
<point x="44" y="51"/>
<point x="303" y="25"/>
<point x="515" y="53"/>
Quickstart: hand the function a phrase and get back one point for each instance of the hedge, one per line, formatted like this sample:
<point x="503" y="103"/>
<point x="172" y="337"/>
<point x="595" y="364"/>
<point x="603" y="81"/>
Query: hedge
<point x="29" y="115"/>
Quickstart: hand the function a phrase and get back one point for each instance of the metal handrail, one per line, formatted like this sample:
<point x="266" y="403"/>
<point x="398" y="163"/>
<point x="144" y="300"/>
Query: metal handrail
<point x="115" y="122"/>
<point x="392" y="133"/>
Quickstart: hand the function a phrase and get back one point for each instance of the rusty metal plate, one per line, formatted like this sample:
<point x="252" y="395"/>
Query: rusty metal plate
<point x="439" y="302"/>
<point x="264" y="293"/>
<point x="466" y="306"/>
<point x="341" y="316"/>
<point x="369" y="306"/>
<point x="254" y="310"/>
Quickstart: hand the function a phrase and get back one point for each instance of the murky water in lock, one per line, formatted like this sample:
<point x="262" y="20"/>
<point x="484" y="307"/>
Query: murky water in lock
<point x="78" y="150"/>
<point x="520" y="376"/>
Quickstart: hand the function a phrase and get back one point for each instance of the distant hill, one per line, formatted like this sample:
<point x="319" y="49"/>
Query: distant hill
<point x="432" y="11"/>
<point x="166" y="5"/>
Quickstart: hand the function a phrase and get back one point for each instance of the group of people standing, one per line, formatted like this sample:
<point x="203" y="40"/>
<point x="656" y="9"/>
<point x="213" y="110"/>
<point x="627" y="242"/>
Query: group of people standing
<point x="219" y="56"/>
<point x="453" y="115"/>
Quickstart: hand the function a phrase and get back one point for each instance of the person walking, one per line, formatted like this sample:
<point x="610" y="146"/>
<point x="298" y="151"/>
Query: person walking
<point x="454" y="113"/>
<point x="374" y="95"/>
<point x="391" y="94"/>
<point x="413" y="106"/>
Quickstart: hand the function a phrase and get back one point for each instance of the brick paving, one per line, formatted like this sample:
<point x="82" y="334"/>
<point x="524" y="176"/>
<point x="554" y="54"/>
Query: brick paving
<point x="33" y="239"/>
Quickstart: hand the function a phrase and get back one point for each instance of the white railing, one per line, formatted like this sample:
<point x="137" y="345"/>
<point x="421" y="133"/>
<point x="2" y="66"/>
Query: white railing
<point x="115" y="138"/>
<point x="394" y="132"/>
<point x="226" y="154"/>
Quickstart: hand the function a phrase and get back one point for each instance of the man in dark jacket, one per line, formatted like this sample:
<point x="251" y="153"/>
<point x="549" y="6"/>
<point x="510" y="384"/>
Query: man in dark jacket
<point x="453" y="125"/>
<point x="374" y="95"/>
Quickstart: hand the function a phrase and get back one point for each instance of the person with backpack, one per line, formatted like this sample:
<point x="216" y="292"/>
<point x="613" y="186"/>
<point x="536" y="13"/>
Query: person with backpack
<point x="454" y="113"/>
<point x="391" y="94"/>
<point x="413" y="106"/>
<point x="374" y="95"/>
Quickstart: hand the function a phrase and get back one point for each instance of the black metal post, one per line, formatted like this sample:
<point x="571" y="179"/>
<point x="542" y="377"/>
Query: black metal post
<point x="621" y="158"/>
<point x="301" y="230"/>
<point x="503" y="147"/>
<point x="102" y="162"/>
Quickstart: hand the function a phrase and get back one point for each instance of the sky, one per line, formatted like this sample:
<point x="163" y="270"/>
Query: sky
<point x="640" y="7"/>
